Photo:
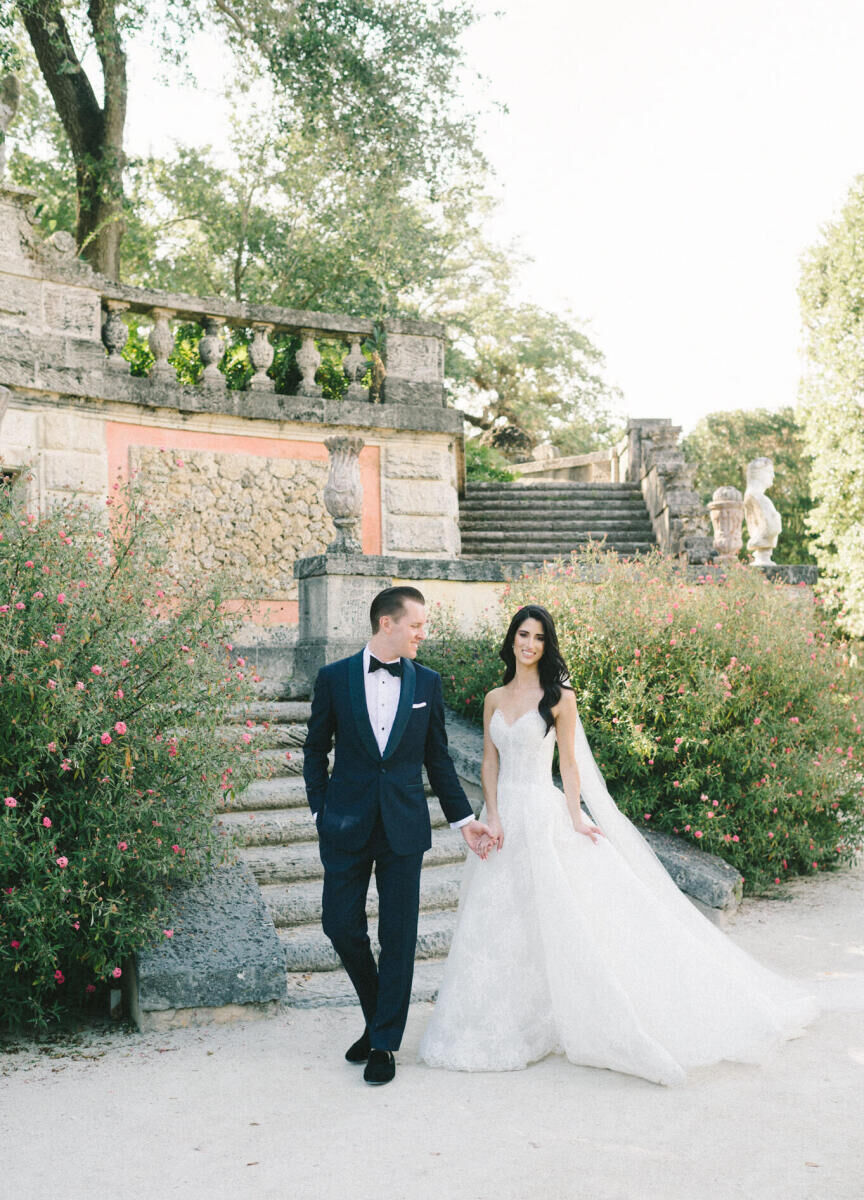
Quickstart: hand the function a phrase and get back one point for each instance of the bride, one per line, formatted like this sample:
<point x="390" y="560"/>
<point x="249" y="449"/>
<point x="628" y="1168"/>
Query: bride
<point x="571" y="938"/>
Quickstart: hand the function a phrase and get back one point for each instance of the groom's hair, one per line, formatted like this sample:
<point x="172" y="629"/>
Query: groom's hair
<point x="391" y="603"/>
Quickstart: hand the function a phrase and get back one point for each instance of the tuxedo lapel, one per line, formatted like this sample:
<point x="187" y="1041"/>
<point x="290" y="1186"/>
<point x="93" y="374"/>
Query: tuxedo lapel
<point x="403" y="712"/>
<point x="357" y="696"/>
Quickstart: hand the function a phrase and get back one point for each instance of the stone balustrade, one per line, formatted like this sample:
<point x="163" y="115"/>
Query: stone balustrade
<point x="64" y="329"/>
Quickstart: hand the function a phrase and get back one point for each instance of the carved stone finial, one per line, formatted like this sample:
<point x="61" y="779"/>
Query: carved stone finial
<point x="10" y="94"/>
<point x="343" y="493"/>
<point x="727" y="516"/>
<point x="764" y="523"/>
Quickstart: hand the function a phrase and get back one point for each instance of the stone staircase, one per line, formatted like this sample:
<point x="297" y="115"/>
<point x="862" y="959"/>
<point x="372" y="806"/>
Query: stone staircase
<point x="536" y="521"/>
<point x="275" y="836"/>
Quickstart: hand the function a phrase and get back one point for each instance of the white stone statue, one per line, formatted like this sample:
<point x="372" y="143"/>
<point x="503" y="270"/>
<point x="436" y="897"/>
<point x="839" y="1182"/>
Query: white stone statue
<point x="763" y="520"/>
<point x="727" y="516"/>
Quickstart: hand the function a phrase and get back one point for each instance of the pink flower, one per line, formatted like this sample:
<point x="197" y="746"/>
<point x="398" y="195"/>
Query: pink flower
<point x="647" y="816"/>
<point x="676" y="783"/>
<point x="46" y="821"/>
<point x="61" y="598"/>
<point x="120" y="727"/>
<point x="79" y="686"/>
<point x="28" y="563"/>
<point x="51" y="747"/>
<point x="686" y="828"/>
<point x="105" y="739"/>
<point x="794" y="721"/>
<point x="176" y="848"/>
<point x="62" y="861"/>
<point x="66" y="765"/>
<point x="116" y="972"/>
<point x="122" y="846"/>
<point x="38" y="595"/>
<point x="119" y="696"/>
<point x="52" y="684"/>
<point x="168" y="932"/>
<point x="91" y="987"/>
<point x="96" y="670"/>
<point x="14" y="945"/>
<point x="757" y="720"/>
<point x="697" y="833"/>
<point x="59" y="976"/>
<point x="247" y="737"/>
<point x="19" y="606"/>
<point x="650" y="762"/>
<point x="11" y="802"/>
<point x="776" y="880"/>
<point x="734" y="837"/>
<point x="76" y="924"/>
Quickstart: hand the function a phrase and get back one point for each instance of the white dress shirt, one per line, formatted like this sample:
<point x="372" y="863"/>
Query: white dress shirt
<point x="382" y="701"/>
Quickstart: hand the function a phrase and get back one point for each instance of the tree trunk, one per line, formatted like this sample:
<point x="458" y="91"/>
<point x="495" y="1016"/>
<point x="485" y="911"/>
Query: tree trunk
<point x="95" y="133"/>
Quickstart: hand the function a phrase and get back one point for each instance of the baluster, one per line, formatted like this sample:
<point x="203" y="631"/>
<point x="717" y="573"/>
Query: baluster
<point x="355" y="365"/>
<point x="308" y="360"/>
<point x="115" y="335"/>
<point x="261" y="355"/>
<point x="211" y="348"/>
<point x="161" y="342"/>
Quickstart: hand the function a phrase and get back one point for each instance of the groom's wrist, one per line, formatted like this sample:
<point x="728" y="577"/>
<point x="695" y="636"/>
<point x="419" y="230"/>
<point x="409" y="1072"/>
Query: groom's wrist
<point x="459" y="824"/>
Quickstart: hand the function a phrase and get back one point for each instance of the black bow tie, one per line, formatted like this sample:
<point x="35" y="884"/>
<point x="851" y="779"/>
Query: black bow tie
<point x="395" y="668"/>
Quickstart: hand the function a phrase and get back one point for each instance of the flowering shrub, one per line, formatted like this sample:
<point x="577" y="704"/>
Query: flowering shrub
<point x="114" y="679"/>
<point x="721" y="709"/>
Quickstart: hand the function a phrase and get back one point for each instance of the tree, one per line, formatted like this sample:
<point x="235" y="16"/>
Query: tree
<point x="377" y="79"/>
<point x="722" y="444"/>
<point x="831" y="402"/>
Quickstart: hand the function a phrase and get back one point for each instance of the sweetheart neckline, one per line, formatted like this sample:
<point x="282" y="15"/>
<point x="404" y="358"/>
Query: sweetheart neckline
<point x="511" y="724"/>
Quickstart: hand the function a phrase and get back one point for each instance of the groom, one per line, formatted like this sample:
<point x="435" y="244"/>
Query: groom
<point x="386" y="715"/>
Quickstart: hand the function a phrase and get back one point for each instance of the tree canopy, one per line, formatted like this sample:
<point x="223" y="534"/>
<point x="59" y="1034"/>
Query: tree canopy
<point x="831" y="404"/>
<point x="722" y="444"/>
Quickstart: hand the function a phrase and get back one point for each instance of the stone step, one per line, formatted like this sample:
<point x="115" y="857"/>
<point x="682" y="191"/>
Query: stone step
<point x="563" y="486"/>
<point x="281" y="827"/>
<point x="551" y="536"/>
<point x="300" y="860"/>
<point x="308" y="949"/>
<point x="334" y="989"/>
<point x="279" y="791"/>
<point x="261" y="736"/>
<point x="528" y="552"/>
<point x="574" y="504"/>
<point x="280" y="763"/>
<point x="277" y="712"/>
<point x="300" y="903"/>
<point x="526" y="520"/>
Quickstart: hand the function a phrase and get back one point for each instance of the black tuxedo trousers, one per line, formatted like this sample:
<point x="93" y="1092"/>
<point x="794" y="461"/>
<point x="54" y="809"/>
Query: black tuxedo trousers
<point x="372" y="814"/>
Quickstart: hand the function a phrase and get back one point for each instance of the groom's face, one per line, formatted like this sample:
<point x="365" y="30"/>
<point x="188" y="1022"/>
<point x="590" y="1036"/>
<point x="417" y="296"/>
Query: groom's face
<point x="406" y="631"/>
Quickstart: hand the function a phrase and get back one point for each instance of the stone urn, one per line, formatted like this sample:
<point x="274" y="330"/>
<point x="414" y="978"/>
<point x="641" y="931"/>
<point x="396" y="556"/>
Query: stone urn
<point x="343" y="493"/>
<point x="764" y="523"/>
<point x="726" y="508"/>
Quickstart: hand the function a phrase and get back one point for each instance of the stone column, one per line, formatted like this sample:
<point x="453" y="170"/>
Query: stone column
<point x="726" y="508"/>
<point x="343" y="493"/>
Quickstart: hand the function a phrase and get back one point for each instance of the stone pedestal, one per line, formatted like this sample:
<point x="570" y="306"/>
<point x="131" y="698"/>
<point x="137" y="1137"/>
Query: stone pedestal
<point x="335" y="592"/>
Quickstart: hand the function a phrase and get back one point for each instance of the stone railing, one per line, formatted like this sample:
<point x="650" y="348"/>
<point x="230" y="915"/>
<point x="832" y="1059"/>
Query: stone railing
<point x="654" y="459"/>
<point x="64" y="329"/>
<point x="601" y="466"/>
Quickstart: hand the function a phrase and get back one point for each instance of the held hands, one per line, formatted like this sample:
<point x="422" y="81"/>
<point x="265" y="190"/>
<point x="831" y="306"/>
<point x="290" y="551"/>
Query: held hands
<point x="478" y="837"/>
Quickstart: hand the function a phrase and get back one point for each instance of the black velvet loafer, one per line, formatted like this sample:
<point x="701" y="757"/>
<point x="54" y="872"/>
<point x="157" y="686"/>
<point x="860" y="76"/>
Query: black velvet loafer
<point x="380" y="1068"/>
<point x="359" y="1052"/>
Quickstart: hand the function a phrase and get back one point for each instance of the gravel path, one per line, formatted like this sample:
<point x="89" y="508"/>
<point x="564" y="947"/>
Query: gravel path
<point x="270" y="1109"/>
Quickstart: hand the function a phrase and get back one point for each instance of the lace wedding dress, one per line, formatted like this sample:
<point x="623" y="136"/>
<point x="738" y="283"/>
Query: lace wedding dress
<point x="589" y="949"/>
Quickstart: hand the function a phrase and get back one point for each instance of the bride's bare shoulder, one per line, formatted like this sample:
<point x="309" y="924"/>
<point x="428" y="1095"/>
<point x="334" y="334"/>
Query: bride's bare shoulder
<point x="566" y="706"/>
<point x="492" y="700"/>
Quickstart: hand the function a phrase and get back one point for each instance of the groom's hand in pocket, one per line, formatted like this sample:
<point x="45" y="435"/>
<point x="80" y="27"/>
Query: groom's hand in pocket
<point x="478" y="837"/>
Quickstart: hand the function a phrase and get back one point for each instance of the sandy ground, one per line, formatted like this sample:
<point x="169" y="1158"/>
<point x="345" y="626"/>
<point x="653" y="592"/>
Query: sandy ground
<point x="271" y="1110"/>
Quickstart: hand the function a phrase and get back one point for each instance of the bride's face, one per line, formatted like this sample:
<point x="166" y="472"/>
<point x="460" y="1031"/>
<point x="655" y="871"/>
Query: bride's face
<point x="529" y="642"/>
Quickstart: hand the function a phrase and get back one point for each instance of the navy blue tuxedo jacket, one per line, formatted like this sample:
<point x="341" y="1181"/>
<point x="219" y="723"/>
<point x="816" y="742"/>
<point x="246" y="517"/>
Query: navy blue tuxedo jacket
<point x="364" y="781"/>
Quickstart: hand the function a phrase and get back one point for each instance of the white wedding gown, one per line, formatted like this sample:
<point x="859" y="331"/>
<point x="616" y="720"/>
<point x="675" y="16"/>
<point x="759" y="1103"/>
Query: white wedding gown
<point x="589" y="949"/>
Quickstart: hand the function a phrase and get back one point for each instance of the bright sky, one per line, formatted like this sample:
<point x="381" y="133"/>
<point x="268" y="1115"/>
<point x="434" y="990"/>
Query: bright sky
<point x="664" y="164"/>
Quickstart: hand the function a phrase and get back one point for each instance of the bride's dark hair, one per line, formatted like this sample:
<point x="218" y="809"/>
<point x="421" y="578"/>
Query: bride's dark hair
<point x="552" y="668"/>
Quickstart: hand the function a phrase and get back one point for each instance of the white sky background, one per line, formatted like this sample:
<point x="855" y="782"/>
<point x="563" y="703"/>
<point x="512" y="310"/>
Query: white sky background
<point x="664" y="163"/>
